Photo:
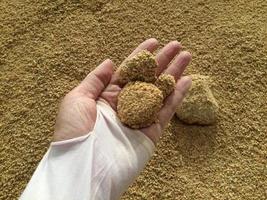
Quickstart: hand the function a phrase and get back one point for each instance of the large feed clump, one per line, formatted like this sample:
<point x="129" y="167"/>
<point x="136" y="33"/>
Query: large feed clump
<point x="139" y="103"/>
<point x="141" y="67"/>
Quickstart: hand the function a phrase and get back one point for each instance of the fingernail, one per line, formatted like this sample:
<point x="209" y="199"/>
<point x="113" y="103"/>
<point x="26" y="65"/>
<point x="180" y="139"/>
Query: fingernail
<point x="176" y="43"/>
<point x="154" y="40"/>
<point x="187" y="54"/>
<point x="184" y="84"/>
<point x="106" y="61"/>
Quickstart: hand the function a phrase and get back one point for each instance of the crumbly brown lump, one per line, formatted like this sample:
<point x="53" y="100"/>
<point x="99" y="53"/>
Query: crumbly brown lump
<point x="139" y="104"/>
<point x="199" y="105"/>
<point x="166" y="84"/>
<point x="141" y="67"/>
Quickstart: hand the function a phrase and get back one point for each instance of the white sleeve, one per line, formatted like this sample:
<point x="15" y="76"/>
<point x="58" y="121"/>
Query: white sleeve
<point x="99" y="165"/>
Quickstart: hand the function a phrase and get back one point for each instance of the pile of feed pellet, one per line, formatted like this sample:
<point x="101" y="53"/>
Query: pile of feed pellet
<point x="48" y="47"/>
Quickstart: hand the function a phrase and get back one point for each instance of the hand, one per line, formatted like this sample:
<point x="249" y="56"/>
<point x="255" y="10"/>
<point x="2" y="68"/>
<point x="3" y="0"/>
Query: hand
<point x="77" y="113"/>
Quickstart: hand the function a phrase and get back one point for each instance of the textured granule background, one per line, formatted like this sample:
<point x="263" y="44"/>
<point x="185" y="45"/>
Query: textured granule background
<point x="47" y="47"/>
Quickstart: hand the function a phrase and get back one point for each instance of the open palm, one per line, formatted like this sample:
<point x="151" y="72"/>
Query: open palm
<point x="77" y="113"/>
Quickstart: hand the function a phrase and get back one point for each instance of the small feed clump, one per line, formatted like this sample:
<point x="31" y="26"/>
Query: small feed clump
<point x="142" y="97"/>
<point x="199" y="106"/>
<point x="166" y="84"/>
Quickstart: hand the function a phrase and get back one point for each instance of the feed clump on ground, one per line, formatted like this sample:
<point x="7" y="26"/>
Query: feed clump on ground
<point x="199" y="106"/>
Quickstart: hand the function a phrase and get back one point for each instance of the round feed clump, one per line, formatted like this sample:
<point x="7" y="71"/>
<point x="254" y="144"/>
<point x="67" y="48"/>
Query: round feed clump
<point x="139" y="104"/>
<point x="141" y="67"/>
<point x="166" y="84"/>
<point x="199" y="105"/>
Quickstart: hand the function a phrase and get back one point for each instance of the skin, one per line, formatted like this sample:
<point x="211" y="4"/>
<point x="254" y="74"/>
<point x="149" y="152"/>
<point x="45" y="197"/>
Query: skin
<point x="77" y="112"/>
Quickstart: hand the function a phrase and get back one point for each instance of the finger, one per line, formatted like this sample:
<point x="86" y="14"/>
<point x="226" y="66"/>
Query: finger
<point x="110" y="94"/>
<point x="179" y="64"/>
<point x="97" y="80"/>
<point x="153" y="132"/>
<point x="149" y="44"/>
<point x="174" y="100"/>
<point x="166" y="54"/>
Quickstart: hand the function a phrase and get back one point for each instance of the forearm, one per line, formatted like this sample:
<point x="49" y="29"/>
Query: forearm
<point x="100" y="165"/>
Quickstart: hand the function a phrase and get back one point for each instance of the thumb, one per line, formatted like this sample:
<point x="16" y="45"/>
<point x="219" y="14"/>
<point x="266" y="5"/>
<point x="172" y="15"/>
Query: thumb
<point x="174" y="100"/>
<point x="97" y="80"/>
